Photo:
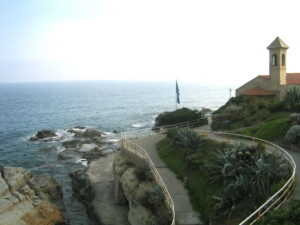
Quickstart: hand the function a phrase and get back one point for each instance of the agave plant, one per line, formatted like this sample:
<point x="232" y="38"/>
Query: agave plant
<point x="189" y="139"/>
<point x="247" y="173"/>
<point x="292" y="97"/>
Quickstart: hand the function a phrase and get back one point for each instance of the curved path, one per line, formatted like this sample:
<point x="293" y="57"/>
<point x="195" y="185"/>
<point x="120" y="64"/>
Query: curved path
<point x="185" y="215"/>
<point x="295" y="155"/>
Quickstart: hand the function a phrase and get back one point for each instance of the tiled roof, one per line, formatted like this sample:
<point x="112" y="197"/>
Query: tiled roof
<point x="258" y="92"/>
<point x="292" y="78"/>
<point x="278" y="43"/>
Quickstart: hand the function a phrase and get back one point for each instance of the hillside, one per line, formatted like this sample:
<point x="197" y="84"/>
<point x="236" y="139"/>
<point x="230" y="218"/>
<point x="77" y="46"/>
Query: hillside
<point x="263" y="118"/>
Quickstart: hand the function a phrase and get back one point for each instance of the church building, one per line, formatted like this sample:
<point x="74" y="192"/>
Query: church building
<point x="278" y="81"/>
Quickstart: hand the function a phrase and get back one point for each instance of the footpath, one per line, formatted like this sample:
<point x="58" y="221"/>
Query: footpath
<point x="185" y="215"/>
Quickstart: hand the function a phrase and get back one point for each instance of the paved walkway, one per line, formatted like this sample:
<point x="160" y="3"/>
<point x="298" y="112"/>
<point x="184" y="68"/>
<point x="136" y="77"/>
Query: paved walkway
<point x="185" y="215"/>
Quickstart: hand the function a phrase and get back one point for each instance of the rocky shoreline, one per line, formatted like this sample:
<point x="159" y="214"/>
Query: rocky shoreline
<point x="29" y="199"/>
<point x="114" y="186"/>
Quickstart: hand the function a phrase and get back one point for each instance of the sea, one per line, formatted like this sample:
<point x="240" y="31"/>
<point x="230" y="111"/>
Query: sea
<point x="119" y="106"/>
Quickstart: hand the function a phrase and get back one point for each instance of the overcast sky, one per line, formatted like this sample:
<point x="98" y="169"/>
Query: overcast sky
<point x="204" y="41"/>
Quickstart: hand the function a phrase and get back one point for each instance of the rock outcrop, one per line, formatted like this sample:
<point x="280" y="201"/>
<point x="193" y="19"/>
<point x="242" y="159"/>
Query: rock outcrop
<point x="95" y="188"/>
<point x="45" y="135"/>
<point x="146" y="201"/>
<point x="29" y="200"/>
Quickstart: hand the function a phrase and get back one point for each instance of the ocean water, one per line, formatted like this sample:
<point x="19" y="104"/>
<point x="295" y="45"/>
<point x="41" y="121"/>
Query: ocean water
<point x="26" y="108"/>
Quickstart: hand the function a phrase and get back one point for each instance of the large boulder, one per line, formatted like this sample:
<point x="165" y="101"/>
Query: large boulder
<point x="88" y="133"/>
<point x="29" y="200"/>
<point x="95" y="188"/>
<point x="44" y="135"/>
<point x="295" y="118"/>
<point x="293" y="135"/>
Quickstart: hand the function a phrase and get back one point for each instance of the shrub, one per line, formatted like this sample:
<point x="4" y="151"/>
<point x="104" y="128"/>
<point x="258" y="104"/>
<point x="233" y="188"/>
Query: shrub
<point x="190" y="139"/>
<point x="276" y="106"/>
<point x="289" y="215"/>
<point x="143" y="173"/>
<point x="292" y="97"/>
<point x="178" y="116"/>
<point x="153" y="198"/>
<point x="247" y="173"/>
<point x="172" y="133"/>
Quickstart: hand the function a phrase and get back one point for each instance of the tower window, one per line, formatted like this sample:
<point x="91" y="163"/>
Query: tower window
<point x="274" y="60"/>
<point x="283" y="59"/>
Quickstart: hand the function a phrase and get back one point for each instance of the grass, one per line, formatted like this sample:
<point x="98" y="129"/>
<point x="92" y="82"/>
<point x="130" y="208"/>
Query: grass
<point x="197" y="179"/>
<point x="272" y="130"/>
<point x="192" y="168"/>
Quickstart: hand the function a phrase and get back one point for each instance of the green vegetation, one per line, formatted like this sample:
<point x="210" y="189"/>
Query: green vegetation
<point x="245" y="111"/>
<point x="270" y="130"/>
<point x="289" y="215"/>
<point x="225" y="182"/>
<point x="292" y="98"/>
<point x="143" y="173"/>
<point x="179" y="116"/>
<point x="259" y="117"/>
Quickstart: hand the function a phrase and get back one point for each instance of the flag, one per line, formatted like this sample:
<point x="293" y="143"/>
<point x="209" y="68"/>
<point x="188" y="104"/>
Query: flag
<point x="177" y="94"/>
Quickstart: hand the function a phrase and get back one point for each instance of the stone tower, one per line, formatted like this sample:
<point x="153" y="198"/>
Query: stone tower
<point x="277" y="65"/>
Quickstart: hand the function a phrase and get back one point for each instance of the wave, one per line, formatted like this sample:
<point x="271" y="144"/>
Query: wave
<point x="140" y="125"/>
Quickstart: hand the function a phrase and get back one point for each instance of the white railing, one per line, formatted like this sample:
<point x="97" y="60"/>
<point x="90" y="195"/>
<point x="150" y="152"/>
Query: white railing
<point x="274" y="202"/>
<point x="277" y="199"/>
<point x="140" y="152"/>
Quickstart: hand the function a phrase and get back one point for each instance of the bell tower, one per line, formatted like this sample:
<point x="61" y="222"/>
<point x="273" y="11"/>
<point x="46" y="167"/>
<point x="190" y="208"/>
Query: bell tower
<point x="277" y="62"/>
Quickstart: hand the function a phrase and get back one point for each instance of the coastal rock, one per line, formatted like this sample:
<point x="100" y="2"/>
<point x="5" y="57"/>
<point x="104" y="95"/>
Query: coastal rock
<point x="88" y="133"/>
<point x="44" y="135"/>
<point x="75" y="143"/>
<point x="95" y="187"/>
<point x="295" y="118"/>
<point x="293" y="135"/>
<point x="29" y="200"/>
<point x="145" y="198"/>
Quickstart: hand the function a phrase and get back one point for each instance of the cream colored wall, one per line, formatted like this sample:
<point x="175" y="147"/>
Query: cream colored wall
<point x="256" y="82"/>
<point x="277" y="73"/>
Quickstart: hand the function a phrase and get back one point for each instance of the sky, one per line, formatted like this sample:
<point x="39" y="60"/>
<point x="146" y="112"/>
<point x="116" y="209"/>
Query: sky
<point x="206" y="42"/>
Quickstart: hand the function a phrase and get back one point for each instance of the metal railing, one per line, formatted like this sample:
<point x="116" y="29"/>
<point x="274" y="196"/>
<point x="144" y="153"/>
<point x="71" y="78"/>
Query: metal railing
<point x="274" y="202"/>
<point x="277" y="199"/>
<point x="140" y="152"/>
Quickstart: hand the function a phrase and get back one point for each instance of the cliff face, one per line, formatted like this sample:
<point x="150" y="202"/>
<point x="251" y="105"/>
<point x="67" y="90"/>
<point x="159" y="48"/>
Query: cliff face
<point x="29" y="200"/>
<point x="133" y="184"/>
<point x="95" y="187"/>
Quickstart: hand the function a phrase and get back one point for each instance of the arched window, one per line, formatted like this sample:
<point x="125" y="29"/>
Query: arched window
<point x="274" y="60"/>
<point x="283" y="59"/>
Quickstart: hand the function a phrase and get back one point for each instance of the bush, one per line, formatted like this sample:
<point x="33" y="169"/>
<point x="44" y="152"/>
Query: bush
<point x="276" y="106"/>
<point x="172" y="133"/>
<point x="153" y="198"/>
<point x="143" y="173"/>
<point x="190" y="139"/>
<point x="289" y="215"/>
<point x="247" y="173"/>
<point x="178" y="116"/>
<point x="292" y="97"/>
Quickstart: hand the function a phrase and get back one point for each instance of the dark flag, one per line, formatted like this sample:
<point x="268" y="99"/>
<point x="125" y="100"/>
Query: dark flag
<point x="177" y="94"/>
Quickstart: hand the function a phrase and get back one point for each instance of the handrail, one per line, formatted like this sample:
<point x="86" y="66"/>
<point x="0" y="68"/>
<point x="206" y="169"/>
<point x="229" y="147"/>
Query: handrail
<point x="280" y="195"/>
<point x="275" y="201"/>
<point x="139" y="151"/>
